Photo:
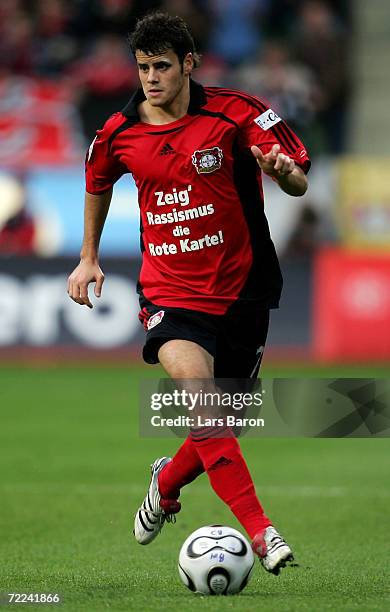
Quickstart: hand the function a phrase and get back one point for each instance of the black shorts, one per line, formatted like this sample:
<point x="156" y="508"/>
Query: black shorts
<point x="236" y="339"/>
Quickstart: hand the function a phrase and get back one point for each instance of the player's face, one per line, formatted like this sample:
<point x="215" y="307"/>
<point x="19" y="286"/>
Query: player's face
<point x="162" y="76"/>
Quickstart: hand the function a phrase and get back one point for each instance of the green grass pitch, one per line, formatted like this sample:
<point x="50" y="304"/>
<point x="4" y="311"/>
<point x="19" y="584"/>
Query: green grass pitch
<point x="73" y="471"/>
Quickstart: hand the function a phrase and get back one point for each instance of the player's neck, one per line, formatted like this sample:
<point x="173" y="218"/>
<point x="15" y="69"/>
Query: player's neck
<point x="160" y="115"/>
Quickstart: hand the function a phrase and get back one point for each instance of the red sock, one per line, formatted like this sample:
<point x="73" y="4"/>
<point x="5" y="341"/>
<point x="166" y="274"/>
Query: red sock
<point x="185" y="466"/>
<point x="230" y="478"/>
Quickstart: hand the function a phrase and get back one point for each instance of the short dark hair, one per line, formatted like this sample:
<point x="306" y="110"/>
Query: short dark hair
<point x="157" y="32"/>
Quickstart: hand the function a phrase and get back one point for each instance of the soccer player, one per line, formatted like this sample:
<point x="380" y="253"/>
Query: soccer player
<point x="209" y="273"/>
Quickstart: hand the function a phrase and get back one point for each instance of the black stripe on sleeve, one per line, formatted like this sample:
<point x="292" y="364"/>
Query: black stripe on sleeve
<point x="287" y="134"/>
<point x="281" y="130"/>
<point x="283" y="138"/>
<point x="242" y="96"/>
<point x="128" y="123"/>
<point x="207" y="113"/>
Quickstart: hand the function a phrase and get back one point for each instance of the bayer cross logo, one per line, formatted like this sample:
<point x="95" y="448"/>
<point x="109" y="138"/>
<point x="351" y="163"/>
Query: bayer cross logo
<point x="207" y="160"/>
<point x="155" y="319"/>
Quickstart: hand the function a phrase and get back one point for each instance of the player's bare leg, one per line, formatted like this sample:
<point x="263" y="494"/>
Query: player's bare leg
<point x="185" y="359"/>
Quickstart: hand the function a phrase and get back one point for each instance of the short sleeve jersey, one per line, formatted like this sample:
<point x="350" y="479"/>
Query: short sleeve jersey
<point x="205" y="239"/>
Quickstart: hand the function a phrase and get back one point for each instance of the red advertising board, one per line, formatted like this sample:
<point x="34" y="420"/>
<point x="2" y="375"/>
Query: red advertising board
<point x="351" y="310"/>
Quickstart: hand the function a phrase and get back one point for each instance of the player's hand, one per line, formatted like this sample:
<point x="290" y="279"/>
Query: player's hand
<point x="85" y="273"/>
<point x="274" y="163"/>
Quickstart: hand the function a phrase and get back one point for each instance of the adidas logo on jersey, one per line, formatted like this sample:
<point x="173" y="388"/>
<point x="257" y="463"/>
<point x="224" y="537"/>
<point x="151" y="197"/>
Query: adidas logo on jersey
<point x="167" y="150"/>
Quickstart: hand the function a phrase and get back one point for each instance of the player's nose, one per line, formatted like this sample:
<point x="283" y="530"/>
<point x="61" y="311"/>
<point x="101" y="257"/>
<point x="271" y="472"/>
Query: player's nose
<point x="152" y="76"/>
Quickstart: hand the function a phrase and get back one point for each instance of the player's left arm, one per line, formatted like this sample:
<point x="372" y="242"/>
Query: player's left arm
<point x="282" y="169"/>
<point x="277" y="149"/>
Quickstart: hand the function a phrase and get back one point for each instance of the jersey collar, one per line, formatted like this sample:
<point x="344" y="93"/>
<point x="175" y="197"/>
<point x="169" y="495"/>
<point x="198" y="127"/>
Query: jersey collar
<point x="197" y="100"/>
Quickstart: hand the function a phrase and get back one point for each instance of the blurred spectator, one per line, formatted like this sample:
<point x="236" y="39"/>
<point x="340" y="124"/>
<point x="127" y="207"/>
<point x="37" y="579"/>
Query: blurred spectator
<point x="103" y="80"/>
<point x="193" y="14"/>
<point x="235" y="34"/>
<point x="52" y="17"/>
<point x="16" y="39"/>
<point x="55" y="47"/>
<point x="23" y="232"/>
<point x="212" y="71"/>
<point x="17" y="228"/>
<point x="305" y="238"/>
<point x="321" y="43"/>
<point x="281" y="15"/>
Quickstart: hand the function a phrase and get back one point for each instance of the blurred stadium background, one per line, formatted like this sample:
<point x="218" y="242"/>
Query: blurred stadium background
<point x="65" y="67"/>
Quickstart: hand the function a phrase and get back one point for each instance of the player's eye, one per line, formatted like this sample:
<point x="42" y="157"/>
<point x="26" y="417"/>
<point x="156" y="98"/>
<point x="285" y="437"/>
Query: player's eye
<point x="143" y="67"/>
<point x="162" y="66"/>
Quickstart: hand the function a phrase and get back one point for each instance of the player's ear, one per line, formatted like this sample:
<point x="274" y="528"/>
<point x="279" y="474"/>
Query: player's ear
<point x="188" y="64"/>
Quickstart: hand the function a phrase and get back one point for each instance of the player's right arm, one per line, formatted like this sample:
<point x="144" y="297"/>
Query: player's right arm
<point x="88" y="271"/>
<point x="102" y="170"/>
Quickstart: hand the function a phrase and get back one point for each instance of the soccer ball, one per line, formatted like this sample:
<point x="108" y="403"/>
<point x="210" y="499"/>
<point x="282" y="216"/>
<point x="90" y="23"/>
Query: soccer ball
<point x="215" y="560"/>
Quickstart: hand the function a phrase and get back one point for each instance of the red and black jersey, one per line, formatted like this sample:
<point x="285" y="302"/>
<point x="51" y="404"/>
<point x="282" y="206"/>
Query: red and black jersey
<point x="204" y="236"/>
